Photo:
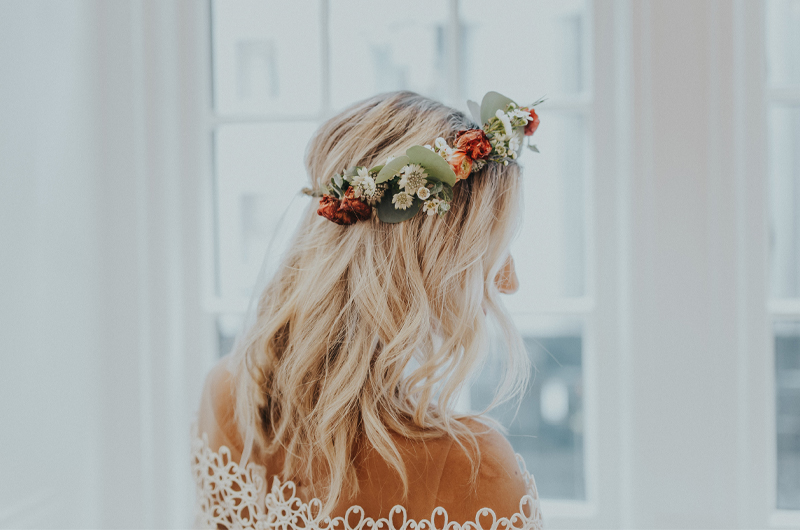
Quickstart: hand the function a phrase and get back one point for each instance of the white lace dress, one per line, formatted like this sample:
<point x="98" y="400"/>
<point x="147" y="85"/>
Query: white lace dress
<point x="234" y="495"/>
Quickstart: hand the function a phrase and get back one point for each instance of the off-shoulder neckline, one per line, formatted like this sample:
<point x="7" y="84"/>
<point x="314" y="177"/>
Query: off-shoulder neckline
<point x="234" y="495"/>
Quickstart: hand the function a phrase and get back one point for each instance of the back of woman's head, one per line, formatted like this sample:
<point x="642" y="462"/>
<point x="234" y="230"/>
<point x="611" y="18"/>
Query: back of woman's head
<point x="373" y="328"/>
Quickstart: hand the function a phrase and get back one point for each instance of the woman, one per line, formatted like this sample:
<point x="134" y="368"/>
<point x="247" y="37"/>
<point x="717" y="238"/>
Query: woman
<point x="338" y="400"/>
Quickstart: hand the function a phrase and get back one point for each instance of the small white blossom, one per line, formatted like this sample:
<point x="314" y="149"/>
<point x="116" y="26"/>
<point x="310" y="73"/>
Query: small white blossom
<point x="363" y="183"/>
<point x="519" y="113"/>
<point x="441" y="147"/>
<point x="513" y="145"/>
<point x="503" y="117"/>
<point x="429" y="147"/>
<point x="402" y="200"/>
<point x="423" y="193"/>
<point x="380" y="190"/>
<point x="441" y="144"/>
<point x="431" y="207"/>
<point x="414" y="177"/>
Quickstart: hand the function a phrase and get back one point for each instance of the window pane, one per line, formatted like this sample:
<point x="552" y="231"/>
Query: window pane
<point x="539" y="45"/>
<point x="783" y="42"/>
<point x="267" y="57"/>
<point x="787" y="378"/>
<point x="784" y="171"/>
<point x="548" y="428"/>
<point x="259" y="178"/>
<point x="376" y="50"/>
<point x="550" y="250"/>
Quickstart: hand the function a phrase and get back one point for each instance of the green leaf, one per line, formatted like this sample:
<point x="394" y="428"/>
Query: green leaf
<point x="533" y="148"/>
<point x="375" y="169"/>
<point x="492" y="102"/>
<point x="391" y="169"/>
<point x="447" y="193"/>
<point x="475" y="110"/>
<point x="352" y="172"/>
<point x="389" y="214"/>
<point x="435" y="166"/>
<point x="338" y="180"/>
<point x="437" y="187"/>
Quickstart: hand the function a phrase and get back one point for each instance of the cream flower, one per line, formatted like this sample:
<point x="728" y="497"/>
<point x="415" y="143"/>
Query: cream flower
<point x="363" y="183"/>
<point x="402" y="200"/>
<point x="503" y="117"/>
<point x="380" y="190"/>
<point x="423" y="193"/>
<point x="431" y="207"/>
<point x="519" y="113"/>
<point x="414" y="177"/>
<point x="513" y="145"/>
<point x="441" y="147"/>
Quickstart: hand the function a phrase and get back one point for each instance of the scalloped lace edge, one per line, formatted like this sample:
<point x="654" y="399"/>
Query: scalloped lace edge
<point x="229" y="496"/>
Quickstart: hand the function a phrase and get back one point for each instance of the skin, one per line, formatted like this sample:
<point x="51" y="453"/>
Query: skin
<point x="506" y="279"/>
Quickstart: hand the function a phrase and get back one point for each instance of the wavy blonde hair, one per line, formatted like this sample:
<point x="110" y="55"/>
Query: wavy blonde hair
<point x="373" y="328"/>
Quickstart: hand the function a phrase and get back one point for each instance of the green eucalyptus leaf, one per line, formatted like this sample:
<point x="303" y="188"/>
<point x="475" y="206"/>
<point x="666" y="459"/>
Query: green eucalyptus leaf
<point x="389" y="214"/>
<point x="492" y="102"/>
<point x="475" y="110"/>
<point x="533" y="148"/>
<point x="447" y="193"/>
<point x="375" y="169"/>
<point x="435" y="166"/>
<point x="338" y="180"/>
<point x="391" y="169"/>
<point x="437" y="187"/>
<point x="352" y="172"/>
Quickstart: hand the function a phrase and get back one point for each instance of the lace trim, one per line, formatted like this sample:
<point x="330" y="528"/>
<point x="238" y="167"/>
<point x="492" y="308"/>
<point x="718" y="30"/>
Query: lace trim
<point x="231" y="497"/>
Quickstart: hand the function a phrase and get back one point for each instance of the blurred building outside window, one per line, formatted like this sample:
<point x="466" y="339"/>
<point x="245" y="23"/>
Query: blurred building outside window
<point x="281" y="69"/>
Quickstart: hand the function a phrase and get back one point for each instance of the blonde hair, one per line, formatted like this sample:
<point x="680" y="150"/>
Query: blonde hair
<point x="373" y="328"/>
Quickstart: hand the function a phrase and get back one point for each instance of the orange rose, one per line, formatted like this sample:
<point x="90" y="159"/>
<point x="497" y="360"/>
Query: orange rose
<point x="346" y="211"/>
<point x="474" y="142"/>
<point x="361" y="210"/>
<point x="461" y="163"/>
<point x="532" y="125"/>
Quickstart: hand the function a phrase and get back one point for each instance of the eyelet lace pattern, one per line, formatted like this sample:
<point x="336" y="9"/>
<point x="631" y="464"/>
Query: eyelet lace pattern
<point x="232" y="497"/>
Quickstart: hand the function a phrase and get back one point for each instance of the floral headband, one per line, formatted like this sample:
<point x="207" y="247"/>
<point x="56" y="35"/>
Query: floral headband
<point x="424" y="177"/>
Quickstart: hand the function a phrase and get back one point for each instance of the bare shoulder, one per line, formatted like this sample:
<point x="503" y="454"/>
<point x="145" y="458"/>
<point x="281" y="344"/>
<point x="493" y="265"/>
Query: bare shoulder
<point x="499" y="484"/>
<point x="216" y="416"/>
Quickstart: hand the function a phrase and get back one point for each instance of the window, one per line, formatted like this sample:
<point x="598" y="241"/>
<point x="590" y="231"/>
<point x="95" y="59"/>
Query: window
<point x="271" y="81"/>
<point x="783" y="119"/>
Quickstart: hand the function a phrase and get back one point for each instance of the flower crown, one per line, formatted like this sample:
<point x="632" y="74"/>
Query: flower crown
<point x="424" y="177"/>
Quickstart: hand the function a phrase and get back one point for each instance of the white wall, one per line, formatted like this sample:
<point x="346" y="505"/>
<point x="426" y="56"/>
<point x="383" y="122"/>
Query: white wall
<point x="49" y="345"/>
<point x="103" y="171"/>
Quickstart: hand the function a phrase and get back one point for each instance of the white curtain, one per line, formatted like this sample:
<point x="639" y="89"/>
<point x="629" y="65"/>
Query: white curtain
<point x="104" y="214"/>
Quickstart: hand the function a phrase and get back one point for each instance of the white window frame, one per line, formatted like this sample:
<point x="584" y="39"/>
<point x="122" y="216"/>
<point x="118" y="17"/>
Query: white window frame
<point x="777" y="309"/>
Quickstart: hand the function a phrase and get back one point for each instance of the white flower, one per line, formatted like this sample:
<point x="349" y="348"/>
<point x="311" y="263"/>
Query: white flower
<point x="414" y="177"/>
<point x="503" y="117"/>
<point x="441" y="147"/>
<point x="431" y="207"/>
<point x="514" y="144"/>
<point x="429" y="147"/>
<point x="519" y="113"/>
<point x="402" y="200"/>
<point x="363" y="183"/>
<point x="423" y="193"/>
